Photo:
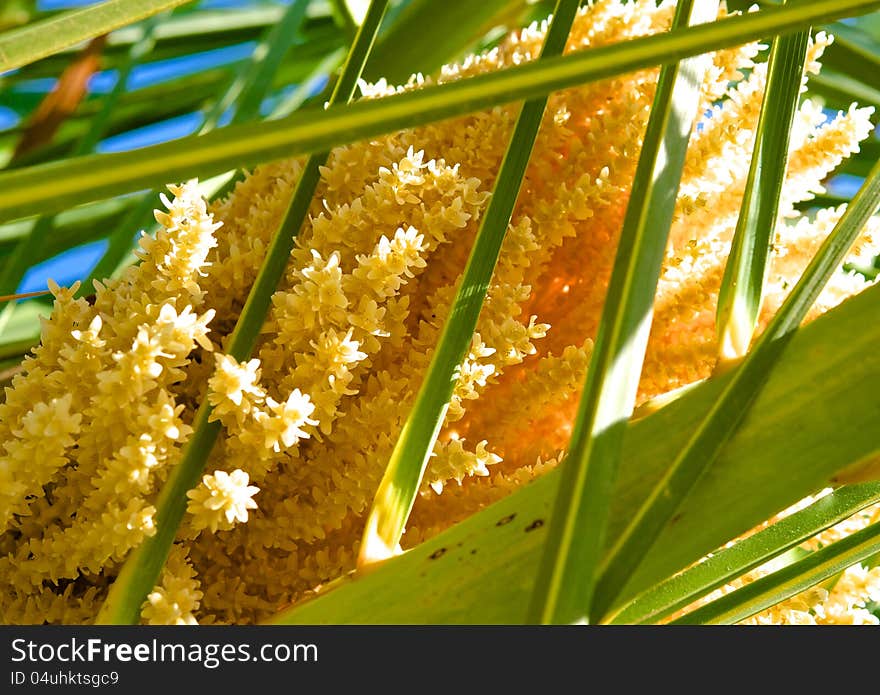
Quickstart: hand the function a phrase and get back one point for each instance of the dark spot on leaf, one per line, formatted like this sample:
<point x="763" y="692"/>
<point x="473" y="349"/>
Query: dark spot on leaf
<point x="506" y="519"/>
<point x="474" y="551"/>
<point x="536" y="524"/>
<point x="440" y="552"/>
<point x="675" y="518"/>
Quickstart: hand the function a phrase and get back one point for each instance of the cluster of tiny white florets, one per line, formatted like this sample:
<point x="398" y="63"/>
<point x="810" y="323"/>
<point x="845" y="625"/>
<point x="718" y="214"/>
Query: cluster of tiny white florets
<point x="222" y="500"/>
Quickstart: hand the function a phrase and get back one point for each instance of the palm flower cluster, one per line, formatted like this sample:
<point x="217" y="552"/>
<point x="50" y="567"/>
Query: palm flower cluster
<point x="104" y="406"/>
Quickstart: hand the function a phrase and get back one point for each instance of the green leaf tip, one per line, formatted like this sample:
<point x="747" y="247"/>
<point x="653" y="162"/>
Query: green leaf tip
<point x="400" y="483"/>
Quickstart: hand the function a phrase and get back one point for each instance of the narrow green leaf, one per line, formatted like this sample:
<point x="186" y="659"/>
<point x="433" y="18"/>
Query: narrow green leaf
<point x="70" y="224"/>
<point x="679" y="591"/>
<point x="184" y="33"/>
<point x="40" y="39"/>
<point x="853" y="53"/>
<point x="742" y="287"/>
<point x="307" y="87"/>
<point x="789" y="581"/>
<point x="89" y="178"/>
<point x="840" y="90"/>
<point x="397" y="491"/>
<point x="251" y="85"/>
<point x="142" y="567"/>
<point x="565" y="582"/>
<point x="482" y="569"/>
<point x="726" y="414"/>
<point x="429" y="33"/>
<point x="19" y="259"/>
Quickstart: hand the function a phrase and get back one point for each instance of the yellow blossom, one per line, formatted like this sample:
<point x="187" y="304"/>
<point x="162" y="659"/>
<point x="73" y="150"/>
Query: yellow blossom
<point x="221" y="500"/>
<point x="234" y="387"/>
<point x="287" y="420"/>
<point x="106" y="402"/>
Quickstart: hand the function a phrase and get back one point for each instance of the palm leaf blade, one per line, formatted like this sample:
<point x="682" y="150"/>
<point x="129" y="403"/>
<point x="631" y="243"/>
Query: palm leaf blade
<point x="400" y="483"/>
<point x="34" y="41"/>
<point x="678" y="591"/>
<point x="789" y="581"/>
<point x="739" y="299"/>
<point x="563" y="590"/>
